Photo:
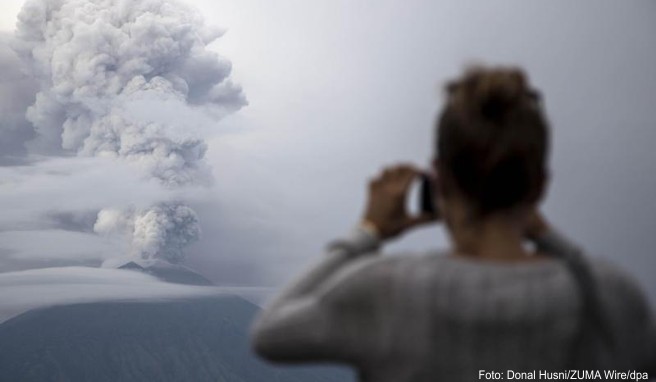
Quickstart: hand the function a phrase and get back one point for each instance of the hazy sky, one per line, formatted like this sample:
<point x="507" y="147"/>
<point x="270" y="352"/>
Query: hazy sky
<point x="338" y="89"/>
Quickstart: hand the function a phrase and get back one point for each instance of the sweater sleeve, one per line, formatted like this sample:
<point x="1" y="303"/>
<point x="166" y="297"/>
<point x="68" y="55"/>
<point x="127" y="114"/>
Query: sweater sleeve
<point x="319" y="316"/>
<point x="630" y="317"/>
<point x="555" y="243"/>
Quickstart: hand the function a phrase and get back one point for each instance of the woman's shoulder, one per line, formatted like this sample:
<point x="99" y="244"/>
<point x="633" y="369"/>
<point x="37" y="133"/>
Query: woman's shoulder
<point x="628" y="310"/>
<point x="617" y="286"/>
<point x="438" y="262"/>
<point x="378" y="274"/>
<point x="609" y="270"/>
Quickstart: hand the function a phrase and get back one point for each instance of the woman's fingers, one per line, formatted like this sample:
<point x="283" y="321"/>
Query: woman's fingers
<point x="402" y="174"/>
<point x="386" y="205"/>
<point x="407" y="175"/>
<point x="418" y="220"/>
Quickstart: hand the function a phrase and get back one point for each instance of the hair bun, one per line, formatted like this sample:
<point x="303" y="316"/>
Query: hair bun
<point x="492" y="93"/>
<point x="493" y="141"/>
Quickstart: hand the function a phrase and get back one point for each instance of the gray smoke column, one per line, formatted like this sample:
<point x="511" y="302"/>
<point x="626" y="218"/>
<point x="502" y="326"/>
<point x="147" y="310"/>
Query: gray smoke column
<point x="161" y="231"/>
<point x="96" y="63"/>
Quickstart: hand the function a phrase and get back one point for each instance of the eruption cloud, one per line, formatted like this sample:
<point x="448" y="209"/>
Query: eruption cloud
<point x="95" y="63"/>
<point x="160" y="231"/>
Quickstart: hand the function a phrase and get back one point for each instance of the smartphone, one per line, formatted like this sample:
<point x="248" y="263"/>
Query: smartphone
<point x="427" y="196"/>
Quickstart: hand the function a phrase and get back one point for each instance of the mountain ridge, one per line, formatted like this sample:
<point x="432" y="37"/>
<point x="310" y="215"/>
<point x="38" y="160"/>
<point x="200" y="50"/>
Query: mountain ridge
<point x="192" y="339"/>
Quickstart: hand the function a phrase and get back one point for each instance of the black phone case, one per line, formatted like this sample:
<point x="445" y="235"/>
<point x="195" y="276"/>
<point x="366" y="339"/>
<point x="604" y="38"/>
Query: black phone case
<point x="426" y="200"/>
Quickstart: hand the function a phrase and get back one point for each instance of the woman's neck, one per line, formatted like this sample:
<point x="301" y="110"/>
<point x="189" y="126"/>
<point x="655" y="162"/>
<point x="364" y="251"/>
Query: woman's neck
<point x="493" y="238"/>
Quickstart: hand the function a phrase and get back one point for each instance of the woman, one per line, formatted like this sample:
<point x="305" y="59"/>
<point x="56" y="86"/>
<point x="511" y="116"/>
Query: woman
<point x="488" y="304"/>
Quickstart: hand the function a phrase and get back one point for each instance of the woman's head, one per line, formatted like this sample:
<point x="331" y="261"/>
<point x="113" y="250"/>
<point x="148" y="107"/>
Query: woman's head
<point x="492" y="142"/>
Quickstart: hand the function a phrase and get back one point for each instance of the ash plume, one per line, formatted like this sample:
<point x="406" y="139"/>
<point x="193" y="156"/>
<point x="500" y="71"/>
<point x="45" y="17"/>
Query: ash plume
<point x="95" y="62"/>
<point x="161" y="231"/>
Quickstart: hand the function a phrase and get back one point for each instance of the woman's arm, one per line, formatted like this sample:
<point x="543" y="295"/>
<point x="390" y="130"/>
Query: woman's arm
<point x="305" y="322"/>
<point x="547" y="239"/>
<point x="333" y="312"/>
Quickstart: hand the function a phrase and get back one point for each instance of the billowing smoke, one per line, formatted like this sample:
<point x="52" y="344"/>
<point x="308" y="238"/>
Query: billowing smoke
<point x="16" y="94"/>
<point x="97" y="64"/>
<point x="161" y="231"/>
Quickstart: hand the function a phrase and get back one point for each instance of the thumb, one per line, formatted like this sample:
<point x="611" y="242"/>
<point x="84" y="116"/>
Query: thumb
<point x="414" y="221"/>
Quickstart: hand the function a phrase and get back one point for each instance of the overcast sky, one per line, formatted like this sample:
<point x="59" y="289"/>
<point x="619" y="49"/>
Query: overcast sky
<point x="338" y="89"/>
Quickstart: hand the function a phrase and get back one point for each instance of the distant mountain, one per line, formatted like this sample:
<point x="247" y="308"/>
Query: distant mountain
<point x="202" y="339"/>
<point x="163" y="270"/>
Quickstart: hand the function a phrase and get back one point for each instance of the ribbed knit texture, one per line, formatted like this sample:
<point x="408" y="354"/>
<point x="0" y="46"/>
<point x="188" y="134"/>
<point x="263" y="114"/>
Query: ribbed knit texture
<point x="434" y="317"/>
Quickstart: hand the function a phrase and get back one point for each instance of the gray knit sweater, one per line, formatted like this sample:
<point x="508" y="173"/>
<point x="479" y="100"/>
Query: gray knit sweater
<point x="433" y="317"/>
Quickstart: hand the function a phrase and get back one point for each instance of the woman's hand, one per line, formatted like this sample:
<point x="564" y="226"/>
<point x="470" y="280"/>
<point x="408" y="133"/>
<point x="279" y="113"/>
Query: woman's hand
<point x="386" y="208"/>
<point x="536" y="225"/>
